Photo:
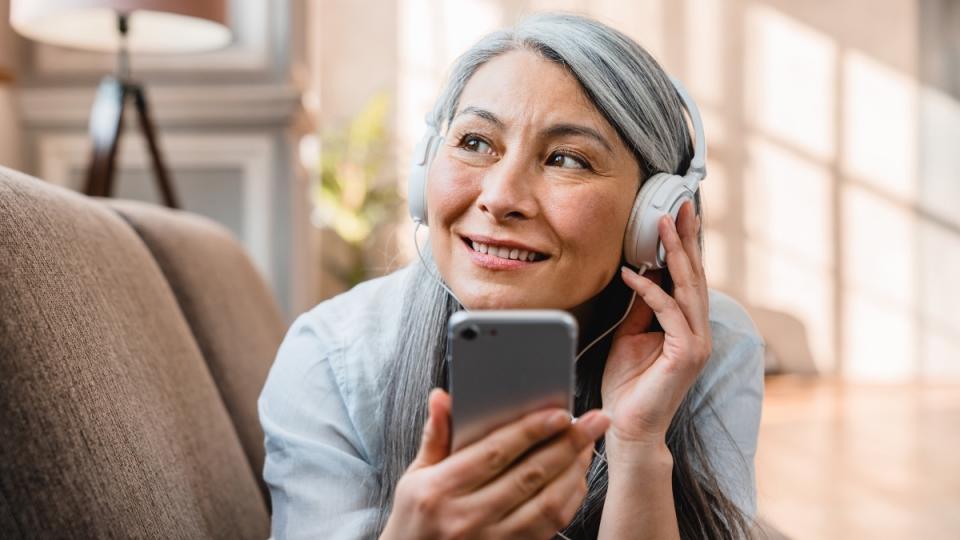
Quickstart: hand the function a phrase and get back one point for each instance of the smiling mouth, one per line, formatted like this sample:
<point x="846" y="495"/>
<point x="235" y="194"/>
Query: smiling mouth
<point x="503" y="252"/>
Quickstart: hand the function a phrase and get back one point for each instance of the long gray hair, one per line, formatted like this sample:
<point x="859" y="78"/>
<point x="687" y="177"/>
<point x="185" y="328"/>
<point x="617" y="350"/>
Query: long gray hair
<point x="637" y="98"/>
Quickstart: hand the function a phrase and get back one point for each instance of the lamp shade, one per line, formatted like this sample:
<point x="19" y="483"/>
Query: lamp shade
<point x="155" y="26"/>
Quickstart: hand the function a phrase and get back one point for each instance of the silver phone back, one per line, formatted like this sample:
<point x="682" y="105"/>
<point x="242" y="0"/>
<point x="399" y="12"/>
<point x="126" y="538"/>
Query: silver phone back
<point x="517" y="362"/>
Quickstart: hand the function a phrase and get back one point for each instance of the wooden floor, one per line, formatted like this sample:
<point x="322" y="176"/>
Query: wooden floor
<point x="840" y="461"/>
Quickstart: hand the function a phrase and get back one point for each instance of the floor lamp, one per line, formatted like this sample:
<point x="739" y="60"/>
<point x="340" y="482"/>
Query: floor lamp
<point x="125" y="27"/>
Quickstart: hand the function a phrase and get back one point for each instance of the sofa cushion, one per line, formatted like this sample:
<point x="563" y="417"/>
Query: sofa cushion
<point x="229" y="308"/>
<point x="111" y="423"/>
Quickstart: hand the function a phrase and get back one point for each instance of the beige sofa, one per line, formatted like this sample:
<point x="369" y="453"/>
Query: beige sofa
<point x="134" y="341"/>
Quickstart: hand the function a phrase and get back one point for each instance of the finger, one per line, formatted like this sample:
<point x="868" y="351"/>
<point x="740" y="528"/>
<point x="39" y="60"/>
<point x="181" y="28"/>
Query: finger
<point x="526" y="478"/>
<point x="667" y="310"/>
<point x="688" y="225"/>
<point x="435" y="444"/>
<point x="689" y="288"/>
<point x="689" y="228"/>
<point x="478" y="463"/>
<point x="677" y="260"/>
<point x="553" y="507"/>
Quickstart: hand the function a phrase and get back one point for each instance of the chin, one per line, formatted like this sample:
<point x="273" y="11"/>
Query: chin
<point x="497" y="296"/>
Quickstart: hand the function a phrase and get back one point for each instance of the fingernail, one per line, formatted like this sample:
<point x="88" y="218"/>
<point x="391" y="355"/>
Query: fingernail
<point x="595" y="424"/>
<point x="625" y="270"/>
<point x="557" y="421"/>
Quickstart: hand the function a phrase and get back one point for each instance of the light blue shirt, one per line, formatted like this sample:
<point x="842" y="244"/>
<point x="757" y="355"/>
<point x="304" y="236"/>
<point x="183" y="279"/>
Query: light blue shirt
<point x="320" y="409"/>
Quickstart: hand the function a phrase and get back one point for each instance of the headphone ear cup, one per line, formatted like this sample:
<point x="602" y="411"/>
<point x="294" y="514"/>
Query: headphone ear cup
<point x="660" y="195"/>
<point x="417" y="180"/>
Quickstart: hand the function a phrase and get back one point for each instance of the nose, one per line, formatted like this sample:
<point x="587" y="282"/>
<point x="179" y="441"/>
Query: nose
<point x="507" y="191"/>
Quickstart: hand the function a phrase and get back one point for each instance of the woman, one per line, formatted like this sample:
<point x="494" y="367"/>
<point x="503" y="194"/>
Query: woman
<point x="549" y="130"/>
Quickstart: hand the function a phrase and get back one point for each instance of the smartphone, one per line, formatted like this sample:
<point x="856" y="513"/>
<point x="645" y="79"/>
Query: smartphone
<point x="502" y="365"/>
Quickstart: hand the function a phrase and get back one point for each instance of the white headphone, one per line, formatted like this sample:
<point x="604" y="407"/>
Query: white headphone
<point x="661" y="194"/>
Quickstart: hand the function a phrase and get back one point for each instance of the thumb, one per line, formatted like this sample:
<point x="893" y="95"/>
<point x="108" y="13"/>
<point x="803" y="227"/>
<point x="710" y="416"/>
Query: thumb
<point x="435" y="445"/>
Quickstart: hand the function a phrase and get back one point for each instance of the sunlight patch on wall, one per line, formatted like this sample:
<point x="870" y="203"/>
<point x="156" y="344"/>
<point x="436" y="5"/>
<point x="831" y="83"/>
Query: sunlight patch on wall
<point x="879" y="256"/>
<point x="879" y="288"/>
<point x="789" y="247"/>
<point x="705" y="48"/>
<point x="788" y="202"/>
<point x="790" y="81"/>
<point x="879" y="126"/>
<point x="465" y="22"/>
<point x="879" y="345"/>
<point x="417" y="74"/>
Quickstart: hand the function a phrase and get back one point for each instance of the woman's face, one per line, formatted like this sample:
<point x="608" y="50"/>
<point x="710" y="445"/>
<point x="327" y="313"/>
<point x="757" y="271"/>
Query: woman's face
<point x="530" y="193"/>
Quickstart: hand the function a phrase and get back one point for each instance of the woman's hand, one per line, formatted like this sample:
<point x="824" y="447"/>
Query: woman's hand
<point x="524" y="480"/>
<point x="648" y="374"/>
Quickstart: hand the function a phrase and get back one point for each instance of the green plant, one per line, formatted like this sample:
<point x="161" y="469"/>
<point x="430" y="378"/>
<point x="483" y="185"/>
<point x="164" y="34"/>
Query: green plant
<point x="352" y="194"/>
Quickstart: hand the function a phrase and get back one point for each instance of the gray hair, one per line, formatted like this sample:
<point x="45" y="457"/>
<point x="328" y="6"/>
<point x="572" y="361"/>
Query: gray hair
<point x="637" y="98"/>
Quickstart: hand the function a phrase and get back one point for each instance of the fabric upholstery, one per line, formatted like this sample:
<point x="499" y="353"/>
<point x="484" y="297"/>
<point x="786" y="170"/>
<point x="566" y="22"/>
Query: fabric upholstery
<point x="229" y="308"/>
<point x="110" y="422"/>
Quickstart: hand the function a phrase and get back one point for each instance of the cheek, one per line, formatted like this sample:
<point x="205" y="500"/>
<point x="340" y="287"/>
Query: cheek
<point x="450" y="190"/>
<point x="592" y="229"/>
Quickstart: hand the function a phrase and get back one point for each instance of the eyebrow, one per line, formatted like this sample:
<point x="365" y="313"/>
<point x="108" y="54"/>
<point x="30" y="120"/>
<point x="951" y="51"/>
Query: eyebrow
<point x="556" y="130"/>
<point x="482" y="113"/>
<point x="560" y="130"/>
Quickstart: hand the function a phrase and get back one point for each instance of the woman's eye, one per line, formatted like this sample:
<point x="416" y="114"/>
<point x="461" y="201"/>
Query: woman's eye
<point x="566" y="161"/>
<point x="476" y="144"/>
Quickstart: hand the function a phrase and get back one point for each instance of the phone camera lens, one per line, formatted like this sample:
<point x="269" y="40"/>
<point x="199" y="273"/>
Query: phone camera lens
<point x="469" y="333"/>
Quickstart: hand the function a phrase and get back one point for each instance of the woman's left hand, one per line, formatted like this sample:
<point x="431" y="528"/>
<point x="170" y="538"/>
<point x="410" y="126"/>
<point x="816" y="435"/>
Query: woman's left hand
<point x="648" y="374"/>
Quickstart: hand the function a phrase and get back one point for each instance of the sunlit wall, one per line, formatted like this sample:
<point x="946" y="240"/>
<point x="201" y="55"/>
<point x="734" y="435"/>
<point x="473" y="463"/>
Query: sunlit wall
<point x="832" y="197"/>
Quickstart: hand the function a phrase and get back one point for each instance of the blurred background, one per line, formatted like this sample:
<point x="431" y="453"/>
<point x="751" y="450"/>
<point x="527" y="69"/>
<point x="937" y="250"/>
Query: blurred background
<point x="831" y="201"/>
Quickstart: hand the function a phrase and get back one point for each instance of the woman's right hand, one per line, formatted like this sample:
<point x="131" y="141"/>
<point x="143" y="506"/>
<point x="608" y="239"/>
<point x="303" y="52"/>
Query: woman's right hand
<point x="524" y="480"/>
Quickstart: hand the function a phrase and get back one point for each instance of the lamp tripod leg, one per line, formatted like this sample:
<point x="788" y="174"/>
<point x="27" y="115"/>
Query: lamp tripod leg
<point x="159" y="168"/>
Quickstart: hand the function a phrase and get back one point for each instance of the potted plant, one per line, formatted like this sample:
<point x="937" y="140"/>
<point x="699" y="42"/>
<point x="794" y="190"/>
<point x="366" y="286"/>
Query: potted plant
<point x="353" y="193"/>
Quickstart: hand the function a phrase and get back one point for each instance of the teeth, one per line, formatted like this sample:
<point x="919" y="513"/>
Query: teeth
<point x="504" y="253"/>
